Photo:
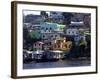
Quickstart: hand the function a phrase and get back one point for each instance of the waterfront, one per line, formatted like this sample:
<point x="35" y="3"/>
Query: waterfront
<point x="56" y="39"/>
<point x="55" y="64"/>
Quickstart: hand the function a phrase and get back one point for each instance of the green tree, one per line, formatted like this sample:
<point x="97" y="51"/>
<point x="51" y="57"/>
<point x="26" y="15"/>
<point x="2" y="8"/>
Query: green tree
<point x="34" y="35"/>
<point x="67" y="17"/>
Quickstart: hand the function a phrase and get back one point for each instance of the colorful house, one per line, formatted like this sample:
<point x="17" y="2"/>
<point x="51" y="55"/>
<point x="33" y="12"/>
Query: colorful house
<point x="79" y="37"/>
<point x="72" y="31"/>
<point x="75" y="28"/>
<point x="47" y="27"/>
<point x="50" y="36"/>
<point x="62" y="44"/>
<point x="38" y="45"/>
<point x="51" y="31"/>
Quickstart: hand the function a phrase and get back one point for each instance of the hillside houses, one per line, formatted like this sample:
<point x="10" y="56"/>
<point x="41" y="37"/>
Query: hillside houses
<point x="48" y="33"/>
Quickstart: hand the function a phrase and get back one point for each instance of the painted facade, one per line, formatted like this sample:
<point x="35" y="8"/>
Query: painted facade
<point x="47" y="27"/>
<point x="62" y="44"/>
<point x="72" y="31"/>
<point x="50" y="36"/>
<point x="38" y="46"/>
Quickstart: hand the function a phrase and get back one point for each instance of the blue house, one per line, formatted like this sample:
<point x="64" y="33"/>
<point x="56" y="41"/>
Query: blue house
<point x="51" y="30"/>
<point x="49" y="27"/>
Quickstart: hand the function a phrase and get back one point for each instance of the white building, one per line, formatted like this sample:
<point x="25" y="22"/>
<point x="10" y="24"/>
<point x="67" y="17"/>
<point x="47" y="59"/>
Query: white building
<point x="74" y="28"/>
<point x="38" y="45"/>
<point x="50" y="36"/>
<point x="72" y="31"/>
<point x="79" y="37"/>
<point x="26" y="25"/>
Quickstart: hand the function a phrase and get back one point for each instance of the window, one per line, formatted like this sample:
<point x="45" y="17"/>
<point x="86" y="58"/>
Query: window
<point x="69" y="32"/>
<point x="76" y="32"/>
<point x="51" y="35"/>
<point x="70" y="46"/>
<point x="72" y="32"/>
<point x="50" y="28"/>
<point x="46" y="28"/>
<point x="55" y="35"/>
<point x="39" y="44"/>
<point x="34" y="44"/>
<point x="43" y="36"/>
<point x="58" y="46"/>
<point x="42" y="28"/>
<point x="53" y="38"/>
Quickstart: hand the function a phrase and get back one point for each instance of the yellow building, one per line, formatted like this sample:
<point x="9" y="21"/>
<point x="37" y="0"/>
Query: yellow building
<point x="62" y="44"/>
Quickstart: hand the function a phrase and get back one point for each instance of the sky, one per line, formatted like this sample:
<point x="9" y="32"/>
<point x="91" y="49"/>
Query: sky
<point x="26" y="12"/>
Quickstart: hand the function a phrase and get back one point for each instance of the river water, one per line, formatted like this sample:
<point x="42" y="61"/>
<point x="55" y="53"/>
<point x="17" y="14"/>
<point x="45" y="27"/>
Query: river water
<point x="56" y="64"/>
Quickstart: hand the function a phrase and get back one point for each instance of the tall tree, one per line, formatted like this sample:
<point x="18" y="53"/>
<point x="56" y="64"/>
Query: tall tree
<point x="67" y="17"/>
<point x="44" y="14"/>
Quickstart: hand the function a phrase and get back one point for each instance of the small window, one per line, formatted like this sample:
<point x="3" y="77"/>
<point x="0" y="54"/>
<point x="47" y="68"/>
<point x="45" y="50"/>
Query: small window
<point x="50" y="28"/>
<point x="46" y="28"/>
<point x="39" y="44"/>
<point x="73" y="32"/>
<point x="58" y="46"/>
<point x="70" y="46"/>
<point x="53" y="38"/>
<point x="34" y="44"/>
<point x="43" y="36"/>
<point x="77" y="33"/>
<point x="51" y="35"/>
<point x="42" y="27"/>
<point x="55" y="35"/>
